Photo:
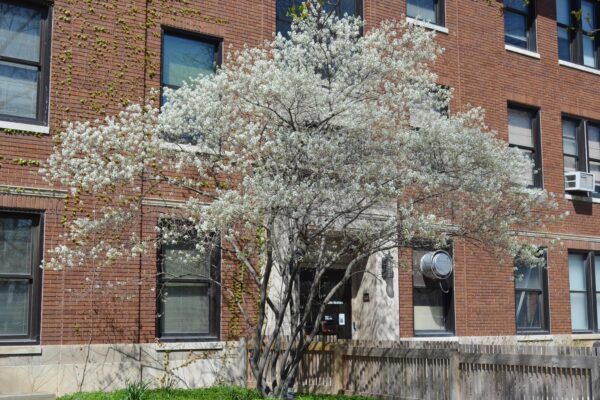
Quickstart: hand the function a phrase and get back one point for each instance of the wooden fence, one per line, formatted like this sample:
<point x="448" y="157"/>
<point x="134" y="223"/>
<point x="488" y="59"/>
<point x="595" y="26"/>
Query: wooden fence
<point x="448" y="370"/>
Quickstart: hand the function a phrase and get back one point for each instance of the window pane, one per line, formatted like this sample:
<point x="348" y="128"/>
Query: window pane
<point x="185" y="58"/>
<point x="515" y="29"/>
<point x="19" y="32"/>
<point x="570" y="164"/>
<point x="18" y="90"/>
<point x="15" y="246"/>
<point x="563" y="11"/>
<point x="579" y="311"/>
<point x="589" y="54"/>
<point x="284" y="26"/>
<point x="429" y="310"/>
<point x="348" y="7"/>
<point x="595" y="169"/>
<point x="185" y="262"/>
<point x="577" y="278"/>
<point x="522" y="5"/>
<point x="529" y="173"/>
<point x="528" y="278"/>
<point x="569" y="129"/>
<point x="588" y="16"/>
<point x="597" y="267"/>
<point x="593" y="134"/>
<point x="529" y="310"/>
<point x="422" y="9"/>
<point x="284" y="7"/>
<point x="14" y="308"/>
<point x="520" y="128"/>
<point x="564" y="44"/>
<point x="186" y="309"/>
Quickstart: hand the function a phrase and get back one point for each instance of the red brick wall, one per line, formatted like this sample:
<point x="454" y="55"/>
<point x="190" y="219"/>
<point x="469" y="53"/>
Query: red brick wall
<point x="105" y="53"/>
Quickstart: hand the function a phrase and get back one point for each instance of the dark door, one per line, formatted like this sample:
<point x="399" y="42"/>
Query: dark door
<point x="337" y="319"/>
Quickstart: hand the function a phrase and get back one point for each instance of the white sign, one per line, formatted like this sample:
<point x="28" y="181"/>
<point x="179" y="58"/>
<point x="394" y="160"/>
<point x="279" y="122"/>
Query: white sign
<point x="342" y="319"/>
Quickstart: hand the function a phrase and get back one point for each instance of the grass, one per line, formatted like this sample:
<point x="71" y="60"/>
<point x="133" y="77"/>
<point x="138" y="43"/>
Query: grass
<point x="214" y="393"/>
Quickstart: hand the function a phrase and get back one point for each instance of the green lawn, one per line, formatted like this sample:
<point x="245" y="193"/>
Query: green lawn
<point x="215" y="393"/>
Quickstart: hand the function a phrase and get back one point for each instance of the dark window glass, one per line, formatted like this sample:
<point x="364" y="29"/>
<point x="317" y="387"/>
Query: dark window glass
<point x="531" y="299"/>
<point x="578" y="31"/>
<point x="189" y="291"/>
<point x="426" y="10"/>
<point x="519" y="26"/>
<point x="582" y="286"/>
<point x="286" y="8"/>
<point x="581" y="138"/>
<point x="524" y="134"/>
<point x="24" y="62"/>
<point x="20" y="277"/>
<point x="186" y="56"/>
<point x="433" y="302"/>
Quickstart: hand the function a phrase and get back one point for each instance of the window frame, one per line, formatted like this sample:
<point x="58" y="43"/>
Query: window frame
<point x="34" y="278"/>
<point x="538" y="177"/>
<point x="590" y="292"/>
<point x="214" y="281"/>
<point x="187" y="34"/>
<point x="583" y="157"/>
<point x="43" y="65"/>
<point x="576" y="34"/>
<point x="358" y="4"/>
<point x="450" y="326"/>
<point x="530" y="20"/>
<point x="545" y="321"/>
<point x="439" y="9"/>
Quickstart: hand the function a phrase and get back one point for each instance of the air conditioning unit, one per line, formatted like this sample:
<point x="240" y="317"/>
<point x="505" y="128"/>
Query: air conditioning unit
<point x="579" y="182"/>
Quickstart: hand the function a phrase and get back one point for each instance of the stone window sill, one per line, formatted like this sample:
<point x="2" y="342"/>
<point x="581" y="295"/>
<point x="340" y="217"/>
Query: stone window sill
<point x="524" y="52"/>
<point x="20" y="350"/>
<point x="428" y="25"/>
<point x="24" y="127"/>
<point x="188" y="346"/>
<point x="579" y="67"/>
<point x="582" y="198"/>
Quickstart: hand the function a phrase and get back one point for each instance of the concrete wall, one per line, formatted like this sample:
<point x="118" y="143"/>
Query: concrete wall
<point x="377" y="319"/>
<point x="73" y="368"/>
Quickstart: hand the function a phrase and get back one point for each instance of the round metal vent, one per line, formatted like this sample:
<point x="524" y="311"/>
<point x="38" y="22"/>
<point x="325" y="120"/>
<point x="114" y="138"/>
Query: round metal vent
<point x="436" y="264"/>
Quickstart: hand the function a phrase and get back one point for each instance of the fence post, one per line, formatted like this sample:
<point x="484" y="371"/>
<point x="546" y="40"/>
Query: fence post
<point x="454" y="374"/>
<point x="338" y="369"/>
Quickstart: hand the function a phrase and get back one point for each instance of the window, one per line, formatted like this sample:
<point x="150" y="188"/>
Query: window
<point x="187" y="55"/>
<point x="24" y="62"/>
<point x="189" y="292"/>
<point x="340" y="7"/>
<point x="433" y="302"/>
<point x="581" y="147"/>
<point x="531" y="299"/>
<point x="584" y="283"/>
<point x="578" y="31"/>
<point x="519" y="23"/>
<point x="524" y="134"/>
<point x="20" y="277"/>
<point x="431" y="11"/>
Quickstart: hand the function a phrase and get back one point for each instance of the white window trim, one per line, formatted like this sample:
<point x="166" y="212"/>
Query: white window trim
<point x="582" y="198"/>
<point x="188" y="346"/>
<point x="579" y="67"/>
<point x="427" y="25"/>
<point x="524" y="52"/>
<point x="535" y="338"/>
<point x="20" y="350"/>
<point x="188" y="148"/>
<point x="25" y="127"/>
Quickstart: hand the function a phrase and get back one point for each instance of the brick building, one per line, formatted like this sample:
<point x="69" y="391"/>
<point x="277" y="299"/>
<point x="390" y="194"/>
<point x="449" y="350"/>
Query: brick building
<point x="533" y="68"/>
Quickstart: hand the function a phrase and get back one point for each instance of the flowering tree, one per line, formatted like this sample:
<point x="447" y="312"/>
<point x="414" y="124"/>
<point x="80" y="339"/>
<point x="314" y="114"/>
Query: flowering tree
<point x="325" y="146"/>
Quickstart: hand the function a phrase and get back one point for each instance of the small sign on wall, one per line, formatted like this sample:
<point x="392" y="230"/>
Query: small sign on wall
<point x="342" y="319"/>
